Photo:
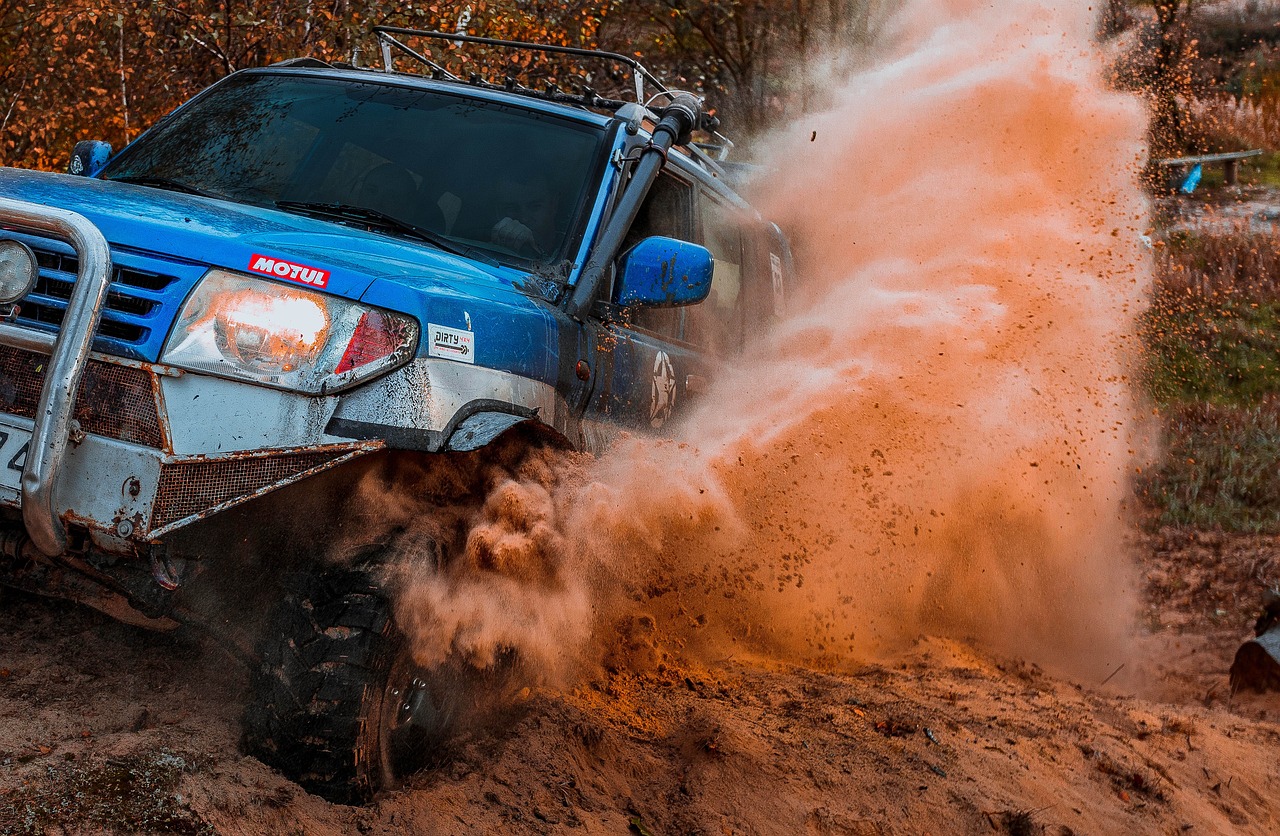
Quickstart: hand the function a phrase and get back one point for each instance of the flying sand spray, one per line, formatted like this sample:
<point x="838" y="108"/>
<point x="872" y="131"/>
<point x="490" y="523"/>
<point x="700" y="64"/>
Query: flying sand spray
<point x="939" y="437"/>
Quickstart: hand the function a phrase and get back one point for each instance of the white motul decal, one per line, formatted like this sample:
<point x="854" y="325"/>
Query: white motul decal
<point x="301" y="273"/>
<point x="451" y="343"/>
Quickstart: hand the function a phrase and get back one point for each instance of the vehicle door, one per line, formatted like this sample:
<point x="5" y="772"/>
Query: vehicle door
<point x="767" y="274"/>
<point x="653" y="364"/>
<point x="641" y="363"/>
<point x="717" y="327"/>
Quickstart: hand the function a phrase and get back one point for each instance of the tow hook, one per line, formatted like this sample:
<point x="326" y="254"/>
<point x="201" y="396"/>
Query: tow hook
<point x="163" y="571"/>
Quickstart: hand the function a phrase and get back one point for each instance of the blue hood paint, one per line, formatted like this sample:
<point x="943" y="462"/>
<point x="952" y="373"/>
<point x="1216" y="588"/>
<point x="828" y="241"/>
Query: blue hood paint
<point x="225" y="234"/>
<point x="513" y="332"/>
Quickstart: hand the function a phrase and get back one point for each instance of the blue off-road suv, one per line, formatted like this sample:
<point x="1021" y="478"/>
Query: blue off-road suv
<point x="310" y="276"/>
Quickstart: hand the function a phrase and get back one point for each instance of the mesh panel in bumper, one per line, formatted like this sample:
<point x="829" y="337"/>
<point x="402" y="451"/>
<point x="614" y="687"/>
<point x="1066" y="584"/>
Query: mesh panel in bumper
<point x="113" y="401"/>
<point x="188" y="488"/>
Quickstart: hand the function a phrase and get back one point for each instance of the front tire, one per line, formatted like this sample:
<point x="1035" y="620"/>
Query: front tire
<point x="337" y="703"/>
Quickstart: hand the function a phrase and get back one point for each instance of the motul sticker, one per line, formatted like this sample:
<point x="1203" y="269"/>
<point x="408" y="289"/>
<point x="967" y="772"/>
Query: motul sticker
<point x="451" y="343"/>
<point x="282" y="269"/>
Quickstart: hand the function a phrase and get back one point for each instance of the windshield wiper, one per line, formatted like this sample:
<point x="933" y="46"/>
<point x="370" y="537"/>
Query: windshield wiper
<point x="375" y="220"/>
<point x="164" y="183"/>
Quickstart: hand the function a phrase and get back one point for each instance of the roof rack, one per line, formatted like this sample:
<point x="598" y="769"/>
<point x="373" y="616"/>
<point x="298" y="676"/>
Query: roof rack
<point x="387" y="41"/>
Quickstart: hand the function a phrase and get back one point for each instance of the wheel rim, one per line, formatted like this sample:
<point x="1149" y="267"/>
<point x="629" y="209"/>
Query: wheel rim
<point x="414" y="718"/>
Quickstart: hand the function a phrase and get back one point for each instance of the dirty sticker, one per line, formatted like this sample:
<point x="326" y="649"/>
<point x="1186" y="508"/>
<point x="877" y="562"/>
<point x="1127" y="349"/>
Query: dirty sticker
<point x="451" y="343"/>
<point x="281" y="269"/>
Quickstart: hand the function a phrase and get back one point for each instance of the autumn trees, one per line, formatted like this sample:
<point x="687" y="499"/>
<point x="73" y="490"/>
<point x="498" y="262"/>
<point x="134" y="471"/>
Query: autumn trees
<point x="1169" y="81"/>
<point x="1210" y="72"/>
<point x="107" y="69"/>
<point x="755" y="54"/>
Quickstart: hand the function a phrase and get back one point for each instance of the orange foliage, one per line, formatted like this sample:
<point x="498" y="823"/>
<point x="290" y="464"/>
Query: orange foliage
<point x="107" y="69"/>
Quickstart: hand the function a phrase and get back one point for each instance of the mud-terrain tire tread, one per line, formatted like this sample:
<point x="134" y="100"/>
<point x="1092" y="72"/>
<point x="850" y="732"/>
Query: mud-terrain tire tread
<point x="324" y="655"/>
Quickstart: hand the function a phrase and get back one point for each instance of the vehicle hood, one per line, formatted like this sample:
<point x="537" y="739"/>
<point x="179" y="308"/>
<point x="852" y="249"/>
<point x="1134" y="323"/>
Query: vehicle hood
<point x="225" y="234"/>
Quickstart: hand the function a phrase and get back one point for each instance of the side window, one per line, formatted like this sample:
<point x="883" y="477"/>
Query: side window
<point x="717" y="323"/>
<point x="668" y="211"/>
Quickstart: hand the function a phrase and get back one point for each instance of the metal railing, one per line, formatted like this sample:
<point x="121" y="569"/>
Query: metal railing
<point x="69" y="354"/>
<point x="387" y="41"/>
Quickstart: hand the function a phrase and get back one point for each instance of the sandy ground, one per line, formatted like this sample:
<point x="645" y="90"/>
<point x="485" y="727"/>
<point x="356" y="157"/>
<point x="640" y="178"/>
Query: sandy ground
<point x="104" y="728"/>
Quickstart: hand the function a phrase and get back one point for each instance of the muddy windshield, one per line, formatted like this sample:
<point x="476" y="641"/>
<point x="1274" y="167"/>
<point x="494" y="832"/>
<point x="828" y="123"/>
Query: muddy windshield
<point x="458" y="173"/>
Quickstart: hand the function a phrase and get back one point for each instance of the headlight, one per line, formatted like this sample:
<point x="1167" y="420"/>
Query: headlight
<point x="17" y="271"/>
<point x="287" y="337"/>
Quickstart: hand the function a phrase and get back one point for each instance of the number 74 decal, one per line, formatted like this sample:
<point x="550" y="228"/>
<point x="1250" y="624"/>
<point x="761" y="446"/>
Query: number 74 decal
<point x="19" y="460"/>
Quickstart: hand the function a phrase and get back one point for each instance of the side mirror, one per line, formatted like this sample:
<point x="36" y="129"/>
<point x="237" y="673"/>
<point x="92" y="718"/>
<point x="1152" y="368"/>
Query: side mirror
<point x="88" y="157"/>
<point x="663" y="273"/>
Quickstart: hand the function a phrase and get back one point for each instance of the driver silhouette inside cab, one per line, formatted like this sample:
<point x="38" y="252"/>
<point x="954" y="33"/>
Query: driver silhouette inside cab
<point x="527" y="208"/>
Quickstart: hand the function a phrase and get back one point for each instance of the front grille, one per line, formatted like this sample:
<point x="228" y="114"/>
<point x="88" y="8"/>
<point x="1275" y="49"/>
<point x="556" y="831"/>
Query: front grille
<point x="113" y="401"/>
<point x="134" y="299"/>
<point x="188" y="488"/>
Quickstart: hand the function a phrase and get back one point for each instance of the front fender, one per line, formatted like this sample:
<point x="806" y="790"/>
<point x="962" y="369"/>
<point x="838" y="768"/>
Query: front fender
<point x="434" y="404"/>
<point x="480" y="428"/>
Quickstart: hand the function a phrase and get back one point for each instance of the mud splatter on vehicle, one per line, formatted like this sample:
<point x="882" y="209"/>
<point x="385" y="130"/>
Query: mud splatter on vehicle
<point x="311" y="275"/>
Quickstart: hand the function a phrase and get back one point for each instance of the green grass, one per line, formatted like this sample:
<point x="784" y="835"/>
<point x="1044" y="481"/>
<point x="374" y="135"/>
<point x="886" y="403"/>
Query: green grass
<point x="1261" y="171"/>
<point x="1212" y="338"/>
<point x="1220" y="469"/>
<point x="1223" y="351"/>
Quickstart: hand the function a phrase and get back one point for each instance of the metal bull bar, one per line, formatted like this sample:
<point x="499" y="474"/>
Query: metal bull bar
<point x="69" y="354"/>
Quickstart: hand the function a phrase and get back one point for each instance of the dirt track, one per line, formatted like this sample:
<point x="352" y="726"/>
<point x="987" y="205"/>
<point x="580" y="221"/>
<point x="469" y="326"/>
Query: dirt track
<point x="103" y="727"/>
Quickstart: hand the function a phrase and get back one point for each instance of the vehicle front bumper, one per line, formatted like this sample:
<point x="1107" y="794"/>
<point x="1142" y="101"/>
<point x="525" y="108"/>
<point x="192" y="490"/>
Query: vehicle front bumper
<point x="101" y="453"/>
